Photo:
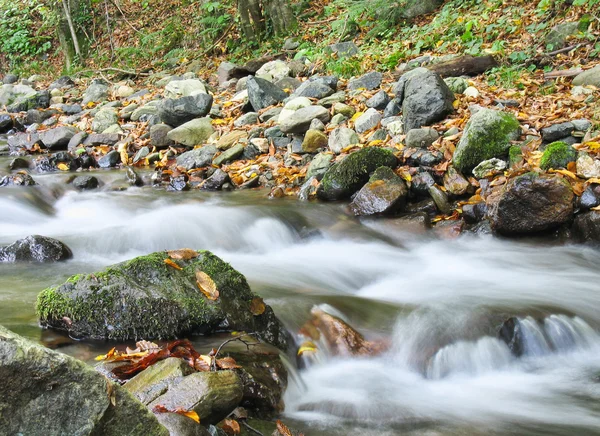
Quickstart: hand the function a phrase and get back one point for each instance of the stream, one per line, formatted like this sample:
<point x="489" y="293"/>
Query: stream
<point x="439" y="303"/>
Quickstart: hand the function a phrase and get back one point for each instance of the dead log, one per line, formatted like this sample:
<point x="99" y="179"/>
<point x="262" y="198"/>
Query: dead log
<point x="464" y="66"/>
<point x="563" y="73"/>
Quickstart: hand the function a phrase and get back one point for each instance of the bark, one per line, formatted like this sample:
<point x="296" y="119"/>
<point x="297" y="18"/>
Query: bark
<point x="464" y="66"/>
<point x="281" y="16"/>
<point x="252" y="20"/>
<point x="71" y="37"/>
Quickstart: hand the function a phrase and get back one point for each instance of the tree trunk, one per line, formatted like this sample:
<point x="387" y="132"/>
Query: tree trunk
<point x="464" y="66"/>
<point x="251" y="19"/>
<point x="71" y="37"/>
<point x="281" y="16"/>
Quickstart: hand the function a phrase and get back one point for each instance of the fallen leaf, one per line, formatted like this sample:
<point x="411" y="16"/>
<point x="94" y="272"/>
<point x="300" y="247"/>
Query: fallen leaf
<point x="207" y="285"/>
<point x="283" y="429"/>
<point x="172" y="264"/>
<point x="63" y="166"/>
<point x="227" y="363"/>
<point x="257" y="306"/>
<point x="159" y="408"/>
<point x="108" y="355"/>
<point x="307" y="347"/>
<point x="203" y="363"/>
<point x="231" y="426"/>
<point x="183" y="254"/>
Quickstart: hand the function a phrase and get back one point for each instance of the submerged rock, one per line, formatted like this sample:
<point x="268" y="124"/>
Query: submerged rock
<point x="50" y="393"/>
<point x="146" y="298"/>
<point x="347" y="176"/>
<point x="530" y="203"/>
<point x="35" y="248"/>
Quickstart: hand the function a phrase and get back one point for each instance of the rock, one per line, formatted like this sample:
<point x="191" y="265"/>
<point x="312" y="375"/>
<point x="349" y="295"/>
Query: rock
<point x="313" y="141"/>
<point x="159" y="135"/>
<point x="228" y="155"/>
<point x="440" y="199"/>
<point x="225" y="72"/>
<point x="95" y="93"/>
<point x="344" y="109"/>
<point x="530" y="203"/>
<point x="414" y="8"/>
<point x="489" y="168"/>
<point x="6" y="123"/>
<point x="246" y="119"/>
<point x="197" y="158"/>
<point x="18" y="163"/>
<point x="586" y="227"/>
<point x="427" y="99"/>
<point x="176" y="112"/>
<point x="145" y="298"/>
<point x="455" y="183"/>
<point x="348" y="175"/>
<point x="587" y="167"/>
<point x="343" y="49"/>
<point x="319" y="165"/>
<point x="179" y="425"/>
<point x="110" y="159"/>
<point x="393" y="108"/>
<point x="288" y="83"/>
<point x="276" y="69"/>
<point x="487" y="135"/>
<point x="384" y="193"/>
<point x="590" y="197"/>
<point x="145" y="112"/>
<point x="63" y="82"/>
<point x="379" y="101"/>
<point x="582" y="125"/>
<point x="212" y="395"/>
<point x="142" y="153"/>
<point x="336" y="120"/>
<point x="36" y="116"/>
<point x="37" y="100"/>
<point x="341" y="138"/>
<point x="330" y="100"/>
<point x="300" y="120"/>
<point x="314" y="89"/>
<point x="474" y="213"/>
<point x="178" y="183"/>
<point x="511" y="333"/>
<point x="471" y="92"/>
<point x="457" y="85"/>
<point x="367" y="121"/>
<point x="35" y="248"/>
<point x="263" y="93"/>
<point x="557" y="155"/>
<point x="104" y="119"/>
<point x="292" y="106"/>
<point x="96" y="139"/>
<point x="216" y="181"/>
<point x="58" y="138"/>
<point x="368" y="81"/>
<point x="9" y="79"/>
<point x="39" y="386"/>
<point x="270" y="114"/>
<point x="557" y="37"/>
<point x="133" y="178"/>
<point x="557" y="131"/>
<point x="589" y="77"/>
<point x="184" y="88"/>
<point x="291" y="44"/>
<point x="123" y="91"/>
<point x="85" y="183"/>
<point x="18" y="179"/>
<point x="231" y="138"/>
<point x="195" y="132"/>
<point x="421" y="138"/>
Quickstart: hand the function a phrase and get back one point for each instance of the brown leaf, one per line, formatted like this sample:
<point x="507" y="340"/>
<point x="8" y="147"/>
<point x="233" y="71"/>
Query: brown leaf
<point x="257" y="306"/>
<point x="231" y="426"/>
<point x="183" y="254"/>
<point x="207" y="285"/>
<point x="283" y="429"/>
<point x="172" y="264"/>
<point x="159" y="408"/>
<point x="227" y="363"/>
<point x="202" y="363"/>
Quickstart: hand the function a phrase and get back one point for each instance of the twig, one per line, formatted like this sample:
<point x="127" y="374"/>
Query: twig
<point x="344" y="28"/>
<point x="112" y="48"/>
<point x="118" y="70"/>
<point x="564" y="50"/>
<point x="237" y="338"/>
<point x="563" y="73"/>
<point x="219" y="40"/>
<point x="328" y="20"/>
<point x="245" y="424"/>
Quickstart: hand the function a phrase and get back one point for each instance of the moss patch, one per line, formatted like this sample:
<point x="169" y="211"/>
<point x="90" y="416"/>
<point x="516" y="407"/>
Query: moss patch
<point x="558" y="155"/>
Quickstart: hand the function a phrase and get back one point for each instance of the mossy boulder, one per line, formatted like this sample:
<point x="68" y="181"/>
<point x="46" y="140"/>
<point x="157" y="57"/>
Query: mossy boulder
<point x="144" y="298"/>
<point x="349" y="175"/>
<point x="48" y="393"/>
<point x="488" y="134"/>
<point x="558" y="155"/>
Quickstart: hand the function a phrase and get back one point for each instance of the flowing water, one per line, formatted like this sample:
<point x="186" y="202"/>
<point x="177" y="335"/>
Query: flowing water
<point x="438" y="303"/>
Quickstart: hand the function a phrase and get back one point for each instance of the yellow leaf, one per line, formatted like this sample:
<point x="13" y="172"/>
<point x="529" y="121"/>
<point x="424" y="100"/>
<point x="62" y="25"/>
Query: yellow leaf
<point x="183" y="254"/>
<point x="592" y="145"/>
<point x="257" y="306"/>
<point x="307" y="347"/>
<point x="108" y="355"/>
<point x="172" y="264"/>
<point x="593" y="180"/>
<point x="565" y="173"/>
<point x="356" y="116"/>
<point x="207" y="285"/>
<point x="376" y="142"/>
<point x="63" y="166"/>
<point x="219" y="121"/>
<point x="190" y="414"/>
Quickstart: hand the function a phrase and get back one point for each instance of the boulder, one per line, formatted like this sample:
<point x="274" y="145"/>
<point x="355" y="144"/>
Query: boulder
<point x="197" y="158"/>
<point x="384" y="193"/>
<point x="39" y="387"/>
<point x="414" y="8"/>
<point x="85" y="183"/>
<point x="262" y="93"/>
<point x="147" y="298"/>
<point x="427" y="100"/>
<point x="558" y="155"/>
<point x="367" y="121"/>
<point x="313" y="141"/>
<point x="104" y="119"/>
<point x="379" y="101"/>
<point x="368" y="81"/>
<point x="318" y="88"/>
<point x="95" y="93"/>
<point x="178" y="111"/>
<point x="589" y="77"/>
<point x="277" y="69"/>
<point x="37" y="100"/>
<point x="58" y="138"/>
<point x="586" y="227"/>
<point x="421" y="138"/>
<point x="557" y="131"/>
<point x="35" y="248"/>
<point x="299" y="121"/>
<point x="341" y="138"/>
<point x="348" y="175"/>
<point x="184" y="88"/>
<point x="195" y="132"/>
<point x="530" y="203"/>
<point x="488" y="134"/>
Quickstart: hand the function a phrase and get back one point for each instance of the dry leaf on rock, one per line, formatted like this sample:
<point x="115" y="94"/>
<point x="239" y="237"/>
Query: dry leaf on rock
<point x="207" y="285"/>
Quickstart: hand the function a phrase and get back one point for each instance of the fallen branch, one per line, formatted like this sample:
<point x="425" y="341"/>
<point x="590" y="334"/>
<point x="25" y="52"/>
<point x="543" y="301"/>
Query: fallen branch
<point x="563" y="73"/>
<point x="564" y="50"/>
<point x="328" y="20"/>
<point x="118" y="70"/>
<point x="237" y="338"/>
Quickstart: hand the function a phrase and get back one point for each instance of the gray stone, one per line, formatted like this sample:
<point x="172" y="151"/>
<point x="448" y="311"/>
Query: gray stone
<point x="587" y="166"/>
<point x="38" y="391"/>
<point x="145" y="112"/>
<point x="184" y="88"/>
<point x="379" y="101"/>
<point x="195" y="132"/>
<point x="489" y="168"/>
<point x="586" y="227"/>
<point x="343" y="49"/>
<point x="110" y="159"/>
<point x="589" y="77"/>
<point x="341" y="138"/>
<point x="216" y="180"/>
<point x="367" y="121"/>
<point x="155" y="380"/>
<point x="228" y="155"/>
<point x="58" y="138"/>
<point x="557" y="37"/>
<point x="384" y="193"/>
<point x="393" y="108"/>
<point x="85" y="183"/>
<point x="582" y="125"/>
<point x="331" y="100"/>
<point x="557" y="131"/>
<point x="270" y="114"/>
<point x="176" y="112"/>
<point x="455" y="183"/>
<point x="197" y="158"/>
<point x="313" y="141"/>
<point x="299" y="121"/>
<point x="427" y="100"/>
<point x="133" y="178"/>
<point x="290" y="83"/>
<point x="314" y="89"/>
<point x="421" y="138"/>
<point x="262" y="93"/>
<point x="104" y="119"/>
<point x="457" y="85"/>
<point x="142" y="153"/>
<point x="95" y="93"/>
<point x="368" y="81"/>
<point x="277" y="69"/>
<point x="246" y="119"/>
<point x="18" y="179"/>
<point x="414" y="8"/>
<point x="440" y="199"/>
<point x="159" y="135"/>
<point x="35" y="248"/>
<point x="319" y="165"/>
<point x="96" y="139"/>
<point x="231" y="138"/>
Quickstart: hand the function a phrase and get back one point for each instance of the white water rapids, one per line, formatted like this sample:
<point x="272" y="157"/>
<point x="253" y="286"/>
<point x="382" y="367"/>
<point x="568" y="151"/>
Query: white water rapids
<point x="439" y="303"/>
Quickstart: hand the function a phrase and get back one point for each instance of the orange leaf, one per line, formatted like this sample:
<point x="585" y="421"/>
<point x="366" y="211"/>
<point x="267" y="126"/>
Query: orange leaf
<point x="202" y="363"/>
<point x="159" y="408"/>
<point x="108" y="355"/>
<point x="231" y="426"/>
<point x="190" y="414"/>
<point x="227" y="363"/>
<point x="207" y="285"/>
<point x="183" y="254"/>
<point x="257" y="306"/>
<point x="172" y="264"/>
<point x="283" y="429"/>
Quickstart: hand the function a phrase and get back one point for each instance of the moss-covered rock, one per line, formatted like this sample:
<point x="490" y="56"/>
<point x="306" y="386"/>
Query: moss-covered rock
<point x="487" y="135"/>
<point x="558" y="155"/>
<point x="146" y="298"/>
<point x="347" y="176"/>
<point x="48" y="393"/>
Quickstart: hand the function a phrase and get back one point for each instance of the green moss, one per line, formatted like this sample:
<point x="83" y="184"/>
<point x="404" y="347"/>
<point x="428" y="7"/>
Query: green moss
<point x="487" y="135"/>
<point x="515" y="155"/>
<point x="558" y="155"/>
